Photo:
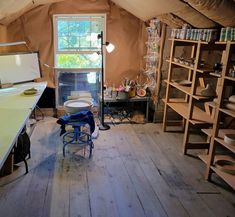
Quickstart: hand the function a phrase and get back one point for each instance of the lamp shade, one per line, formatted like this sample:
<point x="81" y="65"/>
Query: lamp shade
<point x="110" y="47"/>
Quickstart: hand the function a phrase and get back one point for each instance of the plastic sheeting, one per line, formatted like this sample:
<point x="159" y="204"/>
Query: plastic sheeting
<point x="171" y="20"/>
<point x="124" y="30"/>
<point x="220" y="11"/>
<point x="194" y="18"/>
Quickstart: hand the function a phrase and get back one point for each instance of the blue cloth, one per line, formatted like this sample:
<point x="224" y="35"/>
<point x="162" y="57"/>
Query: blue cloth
<point x="82" y="116"/>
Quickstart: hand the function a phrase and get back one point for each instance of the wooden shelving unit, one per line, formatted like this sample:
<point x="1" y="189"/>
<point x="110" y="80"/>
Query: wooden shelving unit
<point x="214" y="114"/>
<point x="192" y="109"/>
<point x="217" y="134"/>
<point x="198" y="115"/>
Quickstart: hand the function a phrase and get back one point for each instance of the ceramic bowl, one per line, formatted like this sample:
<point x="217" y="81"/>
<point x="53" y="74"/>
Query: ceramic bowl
<point x="229" y="139"/>
<point x="226" y="166"/>
<point x="31" y="91"/>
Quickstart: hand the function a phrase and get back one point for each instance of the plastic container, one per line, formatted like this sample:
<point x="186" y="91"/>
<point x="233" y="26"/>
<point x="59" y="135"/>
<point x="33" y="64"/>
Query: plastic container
<point x="122" y="95"/>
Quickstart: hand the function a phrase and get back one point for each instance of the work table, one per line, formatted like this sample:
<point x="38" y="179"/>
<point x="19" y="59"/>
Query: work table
<point x="15" y="109"/>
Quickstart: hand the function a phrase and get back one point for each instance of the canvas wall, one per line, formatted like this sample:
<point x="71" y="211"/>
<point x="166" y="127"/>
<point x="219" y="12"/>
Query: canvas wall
<point x="123" y="29"/>
<point x="3" y="37"/>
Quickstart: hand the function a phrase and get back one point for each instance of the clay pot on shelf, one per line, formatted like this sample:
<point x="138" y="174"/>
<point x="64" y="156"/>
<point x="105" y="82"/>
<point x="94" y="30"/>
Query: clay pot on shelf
<point x="209" y="91"/>
<point x="132" y="92"/>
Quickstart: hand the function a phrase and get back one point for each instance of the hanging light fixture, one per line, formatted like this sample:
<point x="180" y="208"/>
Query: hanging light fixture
<point x="109" y="47"/>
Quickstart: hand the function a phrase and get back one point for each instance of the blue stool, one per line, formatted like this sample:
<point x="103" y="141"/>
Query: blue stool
<point x="78" y="136"/>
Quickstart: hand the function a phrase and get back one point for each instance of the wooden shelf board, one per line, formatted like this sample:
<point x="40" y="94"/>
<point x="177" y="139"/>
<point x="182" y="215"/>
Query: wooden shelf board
<point x="224" y="42"/>
<point x="230" y="147"/>
<point x="205" y="70"/>
<point x="230" y="179"/>
<point x="208" y="132"/>
<point x="175" y="100"/>
<point x="187" y="90"/>
<point x="229" y="78"/>
<point x="211" y="104"/>
<point x="215" y="74"/>
<point x="204" y="157"/>
<point x="199" y="116"/>
<point x="182" y="65"/>
<point x="188" y="41"/>
<point x="221" y="132"/>
<point x="228" y="112"/>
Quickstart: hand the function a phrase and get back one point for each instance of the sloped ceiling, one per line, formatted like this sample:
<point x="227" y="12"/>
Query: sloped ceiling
<point x="191" y="12"/>
<point x="147" y="9"/>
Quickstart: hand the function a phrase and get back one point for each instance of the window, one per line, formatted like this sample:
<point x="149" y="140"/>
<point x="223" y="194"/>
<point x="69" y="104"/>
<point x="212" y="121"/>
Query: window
<point x="76" y="47"/>
<point x="70" y="81"/>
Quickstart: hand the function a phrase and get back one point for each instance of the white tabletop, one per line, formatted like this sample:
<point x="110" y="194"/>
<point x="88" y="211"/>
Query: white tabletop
<point x="15" y="109"/>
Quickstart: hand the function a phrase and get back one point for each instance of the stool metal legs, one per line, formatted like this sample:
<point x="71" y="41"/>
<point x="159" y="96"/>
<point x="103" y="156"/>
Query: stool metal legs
<point x="78" y="137"/>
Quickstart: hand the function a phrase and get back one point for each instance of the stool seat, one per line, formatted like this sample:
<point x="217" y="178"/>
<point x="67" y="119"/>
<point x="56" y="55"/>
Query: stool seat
<point x="83" y="126"/>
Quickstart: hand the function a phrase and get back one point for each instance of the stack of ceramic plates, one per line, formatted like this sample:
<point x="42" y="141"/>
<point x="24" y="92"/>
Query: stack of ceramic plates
<point x="231" y="103"/>
<point x="227" y="166"/>
<point x="229" y="139"/>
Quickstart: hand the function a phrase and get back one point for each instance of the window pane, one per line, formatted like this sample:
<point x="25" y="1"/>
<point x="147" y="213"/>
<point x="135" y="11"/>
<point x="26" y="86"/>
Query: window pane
<point x="69" y="82"/>
<point x="76" y="35"/>
<point x="78" y="60"/>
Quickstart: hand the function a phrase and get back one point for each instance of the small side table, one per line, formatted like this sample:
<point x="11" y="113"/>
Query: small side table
<point x="130" y="100"/>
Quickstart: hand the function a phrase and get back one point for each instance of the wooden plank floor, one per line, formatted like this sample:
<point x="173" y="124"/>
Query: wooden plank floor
<point x="135" y="171"/>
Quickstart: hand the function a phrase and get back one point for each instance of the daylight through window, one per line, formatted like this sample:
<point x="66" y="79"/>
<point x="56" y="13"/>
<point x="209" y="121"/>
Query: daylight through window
<point x="76" y="60"/>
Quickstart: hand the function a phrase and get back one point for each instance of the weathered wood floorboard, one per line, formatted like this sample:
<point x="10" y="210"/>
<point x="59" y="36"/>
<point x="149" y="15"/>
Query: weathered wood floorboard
<point x="135" y="171"/>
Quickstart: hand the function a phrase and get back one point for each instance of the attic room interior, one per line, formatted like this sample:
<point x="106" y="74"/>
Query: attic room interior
<point x="117" y="108"/>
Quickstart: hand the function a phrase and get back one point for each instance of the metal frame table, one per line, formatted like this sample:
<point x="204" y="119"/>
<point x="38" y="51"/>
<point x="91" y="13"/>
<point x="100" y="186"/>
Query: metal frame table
<point x="130" y="100"/>
<point x="15" y="109"/>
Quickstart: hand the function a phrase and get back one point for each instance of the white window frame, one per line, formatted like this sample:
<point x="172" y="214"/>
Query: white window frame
<point x="55" y="37"/>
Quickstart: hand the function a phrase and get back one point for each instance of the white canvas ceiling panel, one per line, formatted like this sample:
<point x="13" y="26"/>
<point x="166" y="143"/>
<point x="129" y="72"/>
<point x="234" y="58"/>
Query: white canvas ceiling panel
<point x="147" y="9"/>
<point x="12" y="9"/>
<point x="12" y="6"/>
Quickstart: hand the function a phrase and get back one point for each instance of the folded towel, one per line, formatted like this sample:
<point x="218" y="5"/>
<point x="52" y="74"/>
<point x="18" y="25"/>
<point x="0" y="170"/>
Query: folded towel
<point x="82" y="116"/>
